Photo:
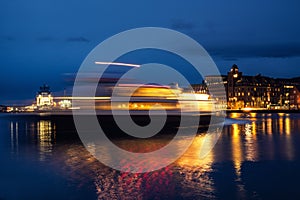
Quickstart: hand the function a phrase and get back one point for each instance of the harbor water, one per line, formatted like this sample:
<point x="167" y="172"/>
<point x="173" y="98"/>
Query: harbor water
<point x="257" y="156"/>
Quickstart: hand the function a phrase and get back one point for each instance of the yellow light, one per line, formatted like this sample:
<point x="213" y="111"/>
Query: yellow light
<point x="234" y="115"/>
<point x="269" y="126"/>
<point x="281" y="125"/>
<point x="247" y="109"/>
<point x="236" y="149"/>
<point x="288" y="126"/>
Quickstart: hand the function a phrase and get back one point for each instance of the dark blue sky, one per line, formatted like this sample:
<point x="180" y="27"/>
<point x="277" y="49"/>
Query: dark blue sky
<point x="41" y="40"/>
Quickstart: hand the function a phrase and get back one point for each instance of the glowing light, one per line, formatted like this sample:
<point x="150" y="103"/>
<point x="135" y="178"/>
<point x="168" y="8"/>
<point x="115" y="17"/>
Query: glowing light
<point x="142" y="85"/>
<point x="288" y="126"/>
<point x="247" y="109"/>
<point x="82" y="98"/>
<point x="269" y="126"/>
<point x="236" y="149"/>
<point x="235" y="115"/>
<point x="250" y="144"/>
<point x="118" y="64"/>
<point x="281" y="125"/>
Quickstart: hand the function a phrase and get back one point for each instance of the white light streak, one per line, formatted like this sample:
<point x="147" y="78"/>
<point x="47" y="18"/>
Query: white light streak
<point x="83" y="98"/>
<point x="118" y="64"/>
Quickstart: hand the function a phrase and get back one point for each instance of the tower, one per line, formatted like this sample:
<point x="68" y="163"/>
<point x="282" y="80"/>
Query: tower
<point x="44" y="99"/>
<point x="233" y="77"/>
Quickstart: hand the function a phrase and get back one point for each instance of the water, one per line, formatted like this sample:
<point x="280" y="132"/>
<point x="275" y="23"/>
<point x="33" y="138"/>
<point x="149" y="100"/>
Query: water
<point x="255" y="158"/>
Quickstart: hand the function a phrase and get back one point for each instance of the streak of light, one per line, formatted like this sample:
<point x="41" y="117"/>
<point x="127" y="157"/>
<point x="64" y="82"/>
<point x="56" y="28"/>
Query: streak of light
<point x="118" y="64"/>
<point x="84" y="98"/>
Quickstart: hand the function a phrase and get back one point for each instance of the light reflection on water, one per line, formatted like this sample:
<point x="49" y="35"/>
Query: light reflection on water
<point x="42" y="131"/>
<point x="46" y="136"/>
<point x="254" y="138"/>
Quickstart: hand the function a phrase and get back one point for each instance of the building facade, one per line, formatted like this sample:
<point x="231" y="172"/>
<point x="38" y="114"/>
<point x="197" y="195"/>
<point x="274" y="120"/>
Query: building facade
<point x="44" y="98"/>
<point x="255" y="91"/>
<point x="295" y="98"/>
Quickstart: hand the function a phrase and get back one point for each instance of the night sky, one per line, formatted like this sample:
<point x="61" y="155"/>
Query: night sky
<point x="43" y="40"/>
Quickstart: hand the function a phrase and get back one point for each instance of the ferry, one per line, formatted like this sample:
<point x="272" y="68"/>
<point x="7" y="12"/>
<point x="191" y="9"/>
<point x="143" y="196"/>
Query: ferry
<point x="158" y="100"/>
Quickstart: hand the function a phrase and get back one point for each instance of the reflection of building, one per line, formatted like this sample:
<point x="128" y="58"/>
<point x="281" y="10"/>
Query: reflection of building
<point x="44" y="99"/>
<point x="46" y="136"/>
<point x="255" y="91"/>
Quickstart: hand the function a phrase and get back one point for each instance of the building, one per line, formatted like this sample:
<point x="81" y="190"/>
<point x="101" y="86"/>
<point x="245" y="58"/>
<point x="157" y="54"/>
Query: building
<point x="295" y="98"/>
<point x="217" y="87"/>
<point x="3" y="108"/>
<point x="200" y="88"/>
<point x="44" y="98"/>
<point x="253" y="91"/>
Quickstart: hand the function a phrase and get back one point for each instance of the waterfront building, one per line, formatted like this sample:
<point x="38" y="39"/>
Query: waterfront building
<point x="2" y="108"/>
<point x="215" y="87"/>
<point x="295" y="98"/>
<point x="200" y="88"/>
<point x="257" y="91"/>
<point x="65" y="104"/>
<point x="44" y="98"/>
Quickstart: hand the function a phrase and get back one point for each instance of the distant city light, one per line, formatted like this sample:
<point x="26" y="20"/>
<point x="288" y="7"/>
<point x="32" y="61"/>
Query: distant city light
<point x="118" y="64"/>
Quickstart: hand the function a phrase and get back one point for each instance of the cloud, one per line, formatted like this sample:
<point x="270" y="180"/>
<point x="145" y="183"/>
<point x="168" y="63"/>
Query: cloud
<point x="77" y="39"/>
<point x="260" y="50"/>
<point x="180" y="24"/>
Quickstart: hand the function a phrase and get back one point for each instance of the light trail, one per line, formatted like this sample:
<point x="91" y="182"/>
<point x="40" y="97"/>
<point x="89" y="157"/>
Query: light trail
<point x="118" y="64"/>
<point x="82" y="98"/>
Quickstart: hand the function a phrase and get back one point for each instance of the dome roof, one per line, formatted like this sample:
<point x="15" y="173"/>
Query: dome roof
<point x="234" y="66"/>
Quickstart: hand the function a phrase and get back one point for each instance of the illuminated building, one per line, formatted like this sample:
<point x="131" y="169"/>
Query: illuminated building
<point x="44" y="99"/>
<point x="215" y="87"/>
<point x="255" y="91"/>
<point x="200" y="88"/>
<point x="65" y="104"/>
<point x="295" y="98"/>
